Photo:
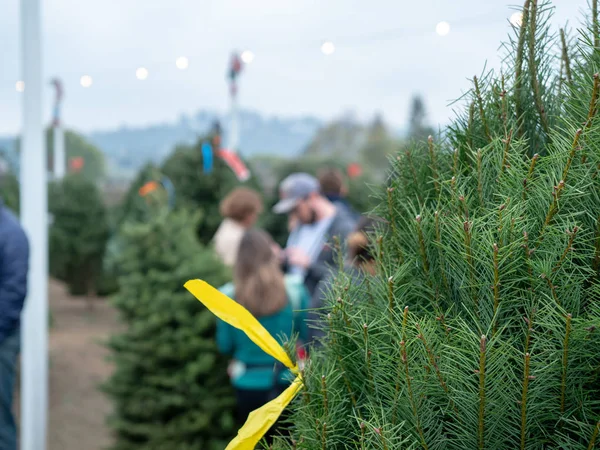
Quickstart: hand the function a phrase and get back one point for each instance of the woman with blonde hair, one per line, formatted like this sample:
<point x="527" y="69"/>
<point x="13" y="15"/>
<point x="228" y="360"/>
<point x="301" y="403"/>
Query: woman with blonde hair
<point x="273" y="298"/>
<point x="240" y="210"/>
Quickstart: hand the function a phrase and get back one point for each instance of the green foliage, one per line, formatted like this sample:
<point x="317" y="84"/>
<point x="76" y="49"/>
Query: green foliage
<point x="342" y="138"/>
<point x="200" y="191"/>
<point x="170" y="387"/>
<point x="78" y="146"/>
<point x="9" y="191"/>
<point x="418" y="129"/>
<point x="379" y="146"/>
<point x="133" y="206"/>
<point x="347" y="141"/>
<point x="481" y="328"/>
<point x="78" y="234"/>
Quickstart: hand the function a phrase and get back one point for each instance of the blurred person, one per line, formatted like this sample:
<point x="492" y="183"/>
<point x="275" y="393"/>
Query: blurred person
<point x="240" y="209"/>
<point x="277" y="301"/>
<point x="360" y="263"/>
<point x="14" y="267"/>
<point x="292" y="222"/>
<point x="335" y="189"/>
<point x="316" y="221"/>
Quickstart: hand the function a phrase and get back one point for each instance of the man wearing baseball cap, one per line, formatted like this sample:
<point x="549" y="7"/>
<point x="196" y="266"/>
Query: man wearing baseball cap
<point x="309" y="251"/>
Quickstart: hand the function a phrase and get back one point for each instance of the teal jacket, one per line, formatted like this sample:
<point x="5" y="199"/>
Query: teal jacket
<point x="254" y="369"/>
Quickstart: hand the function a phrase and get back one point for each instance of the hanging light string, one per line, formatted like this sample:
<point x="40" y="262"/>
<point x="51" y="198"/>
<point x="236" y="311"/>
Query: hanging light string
<point x="327" y="47"/>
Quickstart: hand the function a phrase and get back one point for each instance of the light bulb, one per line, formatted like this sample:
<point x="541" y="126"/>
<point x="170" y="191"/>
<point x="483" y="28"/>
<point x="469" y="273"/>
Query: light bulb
<point x="516" y="19"/>
<point x="141" y="73"/>
<point x="328" y="48"/>
<point x="442" y="28"/>
<point x="86" y="81"/>
<point x="182" y="63"/>
<point x="247" y="56"/>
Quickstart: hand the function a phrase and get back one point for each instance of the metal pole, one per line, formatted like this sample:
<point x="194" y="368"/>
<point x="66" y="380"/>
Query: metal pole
<point x="234" y="131"/>
<point x="34" y="328"/>
<point x="59" y="160"/>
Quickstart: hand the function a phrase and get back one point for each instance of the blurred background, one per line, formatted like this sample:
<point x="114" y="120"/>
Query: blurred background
<point x="137" y="88"/>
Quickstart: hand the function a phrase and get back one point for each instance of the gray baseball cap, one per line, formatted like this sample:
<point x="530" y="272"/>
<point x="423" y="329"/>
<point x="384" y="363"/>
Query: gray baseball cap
<point x="293" y="189"/>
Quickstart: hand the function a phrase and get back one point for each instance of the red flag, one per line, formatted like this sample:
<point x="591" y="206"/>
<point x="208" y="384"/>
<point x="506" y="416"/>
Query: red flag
<point x="76" y="164"/>
<point x="354" y="170"/>
<point x="235" y="163"/>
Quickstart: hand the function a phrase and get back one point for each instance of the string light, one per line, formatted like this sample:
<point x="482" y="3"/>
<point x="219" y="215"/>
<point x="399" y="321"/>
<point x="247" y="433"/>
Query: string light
<point x="247" y="57"/>
<point x="442" y="28"/>
<point x="86" y="81"/>
<point x="182" y="63"/>
<point x="141" y="73"/>
<point x="328" y="48"/>
<point x="516" y="19"/>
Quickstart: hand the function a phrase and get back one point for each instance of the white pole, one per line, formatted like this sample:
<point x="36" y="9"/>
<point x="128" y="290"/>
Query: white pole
<point x="34" y="328"/>
<point x="59" y="158"/>
<point x="234" y="132"/>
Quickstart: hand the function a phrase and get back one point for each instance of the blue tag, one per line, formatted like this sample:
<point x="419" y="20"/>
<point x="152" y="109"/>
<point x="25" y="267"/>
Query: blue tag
<point x="166" y="182"/>
<point x="207" y="157"/>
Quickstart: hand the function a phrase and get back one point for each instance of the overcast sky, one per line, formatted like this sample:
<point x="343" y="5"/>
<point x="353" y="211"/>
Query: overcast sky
<point x="386" y="50"/>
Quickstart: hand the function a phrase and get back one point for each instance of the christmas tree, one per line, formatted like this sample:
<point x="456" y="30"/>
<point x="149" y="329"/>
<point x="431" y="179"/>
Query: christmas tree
<point x="9" y="191"/>
<point x="481" y="328"/>
<point x="170" y="387"/>
<point x="202" y="190"/>
<point x="78" y="234"/>
<point x="134" y="206"/>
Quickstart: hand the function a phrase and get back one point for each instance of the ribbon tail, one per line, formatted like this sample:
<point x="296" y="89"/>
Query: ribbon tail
<point x="238" y="317"/>
<point x="260" y="420"/>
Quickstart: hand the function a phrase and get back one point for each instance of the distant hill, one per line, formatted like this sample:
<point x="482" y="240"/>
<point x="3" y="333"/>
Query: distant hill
<point x="128" y="148"/>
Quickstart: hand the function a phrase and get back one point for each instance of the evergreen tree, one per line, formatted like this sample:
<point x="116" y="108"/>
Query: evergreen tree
<point x="418" y="128"/>
<point x="9" y="191"/>
<point x="170" y="386"/>
<point x="78" y="234"/>
<point x="133" y="206"/>
<point x="340" y="139"/>
<point x="198" y="190"/>
<point x="78" y="146"/>
<point x="481" y="328"/>
<point x="379" y="146"/>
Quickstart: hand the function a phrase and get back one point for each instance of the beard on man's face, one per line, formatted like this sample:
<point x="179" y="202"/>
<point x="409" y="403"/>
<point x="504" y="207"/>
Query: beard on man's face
<point x="311" y="218"/>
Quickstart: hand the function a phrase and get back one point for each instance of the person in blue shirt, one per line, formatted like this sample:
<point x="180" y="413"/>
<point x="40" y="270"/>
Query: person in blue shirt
<point x="14" y="267"/>
<point x="278" y="302"/>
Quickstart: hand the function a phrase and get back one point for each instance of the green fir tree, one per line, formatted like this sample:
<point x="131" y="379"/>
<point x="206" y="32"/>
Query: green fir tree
<point x="202" y="191"/>
<point x="481" y="329"/>
<point x="78" y="234"/>
<point x="136" y="207"/>
<point x="170" y="387"/>
<point x="9" y="191"/>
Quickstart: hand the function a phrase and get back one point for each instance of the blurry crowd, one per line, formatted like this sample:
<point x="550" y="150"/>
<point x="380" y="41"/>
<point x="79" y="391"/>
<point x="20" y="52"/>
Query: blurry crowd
<point x="285" y="288"/>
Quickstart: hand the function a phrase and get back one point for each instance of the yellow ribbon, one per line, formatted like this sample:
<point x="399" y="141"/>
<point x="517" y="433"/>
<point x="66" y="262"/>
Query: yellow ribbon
<point x="260" y="420"/>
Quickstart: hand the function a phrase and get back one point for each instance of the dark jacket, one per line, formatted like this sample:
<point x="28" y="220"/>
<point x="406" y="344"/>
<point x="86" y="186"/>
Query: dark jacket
<point x="341" y="226"/>
<point x="341" y="203"/>
<point x="14" y="265"/>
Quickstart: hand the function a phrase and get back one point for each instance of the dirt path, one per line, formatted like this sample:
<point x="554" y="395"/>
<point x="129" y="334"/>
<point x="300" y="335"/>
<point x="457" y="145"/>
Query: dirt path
<point x="77" y="410"/>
